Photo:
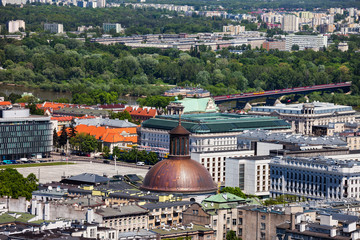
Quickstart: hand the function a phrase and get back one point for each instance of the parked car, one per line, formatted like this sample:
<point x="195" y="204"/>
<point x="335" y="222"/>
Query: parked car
<point x="106" y="161"/>
<point x="140" y="164"/>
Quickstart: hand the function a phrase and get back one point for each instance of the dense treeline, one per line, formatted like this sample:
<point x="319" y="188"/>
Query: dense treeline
<point x="240" y="6"/>
<point x="99" y="74"/>
<point x="136" y="21"/>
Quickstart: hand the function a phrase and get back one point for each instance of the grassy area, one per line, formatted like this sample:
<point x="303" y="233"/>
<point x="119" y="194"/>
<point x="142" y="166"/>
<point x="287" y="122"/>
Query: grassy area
<point x="33" y="165"/>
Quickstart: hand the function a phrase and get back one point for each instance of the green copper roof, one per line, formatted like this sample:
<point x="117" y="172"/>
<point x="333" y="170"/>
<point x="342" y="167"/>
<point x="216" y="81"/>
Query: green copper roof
<point x="216" y="122"/>
<point x="192" y="105"/>
<point x="223" y="198"/>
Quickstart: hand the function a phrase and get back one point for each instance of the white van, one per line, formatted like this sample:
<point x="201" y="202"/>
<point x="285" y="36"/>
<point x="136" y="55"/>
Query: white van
<point x="140" y="164"/>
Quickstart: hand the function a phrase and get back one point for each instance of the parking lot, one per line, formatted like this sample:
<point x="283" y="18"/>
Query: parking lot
<point x="54" y="173"/>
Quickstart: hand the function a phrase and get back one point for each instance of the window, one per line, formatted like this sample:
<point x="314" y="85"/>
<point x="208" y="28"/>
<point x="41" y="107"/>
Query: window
<point x="234" y="222"/>
<point x="228" y="220"/>
<point x="240" y="221"/>
<point x="195" y="212"/>
<point x="262" y="236"/>
<point x="240" y="232"/>
<point x="215" y="222"/>
<point x="262" y="226"/>
<point x="263" y="217"/>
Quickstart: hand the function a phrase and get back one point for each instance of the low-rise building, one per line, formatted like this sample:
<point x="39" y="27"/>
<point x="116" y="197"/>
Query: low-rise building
<point x="124" y="218"/>
<point x="192" y="106"/>
<point x="141" y="114"/>
<point x="166" y="213"/>
<point x="191" y="231"/>
<point x="315" y="225"/>
<point x="262" y="222"/>
<point x="116" y="27"/>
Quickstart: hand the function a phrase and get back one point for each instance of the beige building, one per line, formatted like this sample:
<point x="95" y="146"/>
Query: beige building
<point x="233" y="30"/>
<point x="290" y="23"/>
<point x="124" y="218"/>
<point x="260" y="222"/>
<point x="166" y="213"/>
<point x="304" y="116"/>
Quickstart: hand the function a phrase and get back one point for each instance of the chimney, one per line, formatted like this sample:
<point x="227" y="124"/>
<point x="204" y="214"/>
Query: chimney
<point x="292" y="221"/>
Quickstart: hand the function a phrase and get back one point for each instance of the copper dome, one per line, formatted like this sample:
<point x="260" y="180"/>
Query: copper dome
<point x="180" y="175"/>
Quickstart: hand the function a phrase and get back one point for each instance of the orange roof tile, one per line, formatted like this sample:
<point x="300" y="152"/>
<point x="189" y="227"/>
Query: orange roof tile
<point x="5" y="103"/>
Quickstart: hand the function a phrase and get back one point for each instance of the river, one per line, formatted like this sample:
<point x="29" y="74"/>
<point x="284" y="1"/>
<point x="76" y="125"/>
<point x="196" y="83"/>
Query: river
<point x="49" y="95"/>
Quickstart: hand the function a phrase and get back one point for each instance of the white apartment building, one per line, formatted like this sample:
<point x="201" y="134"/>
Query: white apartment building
<point x="214" y="162"/>
<point x="250" y="174"/>
<point x="315" y="178"/>
<point x="314" y="42"/>
<point x="290" y="23"/>
<point x="16" y="26"/>
<point x="303" y="116"/>
<point x="54" y="27"/>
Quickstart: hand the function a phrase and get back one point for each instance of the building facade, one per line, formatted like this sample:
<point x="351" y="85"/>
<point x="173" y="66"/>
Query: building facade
<point x="210" y="132"/>
<point x="115" y="26"/>
<point x="251" y="175"/>
<point x="290" y="23"/>
<point x="23" y="135"/>
<point x="16" y="26"/>
<point x="54" y="27"/>
<point x="215" y="162"/>
<point x="315" y="178"/>
<point x="314" y="42"/>
<point x="304" y="116"/>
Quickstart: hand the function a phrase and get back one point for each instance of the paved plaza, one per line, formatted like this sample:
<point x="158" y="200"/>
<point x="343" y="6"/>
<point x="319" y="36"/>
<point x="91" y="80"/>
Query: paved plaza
<point x="54" y="173"/>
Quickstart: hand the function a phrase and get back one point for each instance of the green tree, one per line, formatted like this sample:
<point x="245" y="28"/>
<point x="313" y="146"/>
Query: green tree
<point x="295" y="47"/>
<point x="34" y="110"/>
<point x="55" y="138"/>
<point x="14" y="185"/>
<point x="106" y="152"/>
<point x="231" y="235"/>
<point x="84" y="143"/>
<point x="63" y="138"/>
<point x="234" y="190"/>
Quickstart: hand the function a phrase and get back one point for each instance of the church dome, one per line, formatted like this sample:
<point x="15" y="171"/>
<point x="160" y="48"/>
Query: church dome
<point x="179" y="174"/>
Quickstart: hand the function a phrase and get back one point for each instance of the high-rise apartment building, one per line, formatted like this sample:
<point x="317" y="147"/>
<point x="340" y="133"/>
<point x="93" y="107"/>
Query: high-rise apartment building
<point x="290" y="23"/>
<point x="54" y="27"/>
<point x="16" y="26"/>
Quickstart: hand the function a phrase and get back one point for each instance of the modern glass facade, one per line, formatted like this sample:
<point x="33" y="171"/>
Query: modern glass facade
<point x="27" y="137"/>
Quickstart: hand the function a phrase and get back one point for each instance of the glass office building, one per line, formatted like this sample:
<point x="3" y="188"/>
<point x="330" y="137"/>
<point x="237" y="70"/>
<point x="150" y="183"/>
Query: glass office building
<point x="23" y="135"/>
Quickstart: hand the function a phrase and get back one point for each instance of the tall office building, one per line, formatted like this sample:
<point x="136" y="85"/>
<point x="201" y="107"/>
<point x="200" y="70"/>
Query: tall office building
<point x="54" y="27"/>
<point x="290" y="23"/>
<point x="24" y="135"/>
<point x="16" y="26"/>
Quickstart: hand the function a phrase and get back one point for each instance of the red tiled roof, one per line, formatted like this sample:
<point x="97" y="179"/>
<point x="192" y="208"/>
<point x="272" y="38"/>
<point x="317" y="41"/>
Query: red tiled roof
<point x="5" y="103"/>
<point x="145" y="112"/>
<point x="109" y="134"/>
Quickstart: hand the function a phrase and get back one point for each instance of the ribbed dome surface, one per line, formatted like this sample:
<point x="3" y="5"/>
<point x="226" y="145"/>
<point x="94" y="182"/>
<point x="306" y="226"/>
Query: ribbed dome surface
<point x="179" y="175"/>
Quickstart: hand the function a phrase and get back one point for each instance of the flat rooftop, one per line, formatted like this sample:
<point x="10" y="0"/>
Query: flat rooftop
<point x="319" y="108"/>
<point x="216" y="122"/>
